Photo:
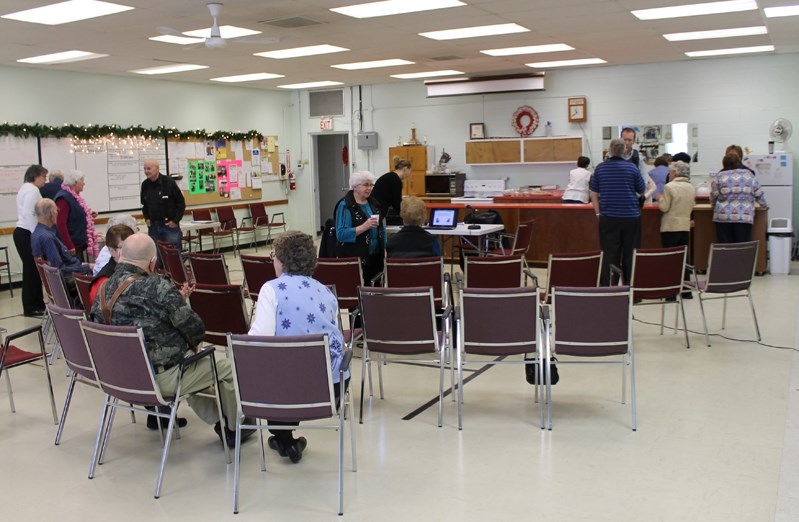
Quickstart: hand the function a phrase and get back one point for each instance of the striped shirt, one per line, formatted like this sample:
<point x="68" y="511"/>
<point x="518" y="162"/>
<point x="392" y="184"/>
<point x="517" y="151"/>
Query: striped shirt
<point x="618" y="183"/>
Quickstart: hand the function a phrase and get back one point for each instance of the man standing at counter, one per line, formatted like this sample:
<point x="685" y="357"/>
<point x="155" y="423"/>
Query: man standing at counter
<point x="615" y="187"/>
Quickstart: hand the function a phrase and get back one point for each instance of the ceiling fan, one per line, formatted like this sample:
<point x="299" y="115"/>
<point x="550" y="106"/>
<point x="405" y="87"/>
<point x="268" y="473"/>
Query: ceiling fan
<point x="215" y="40"/>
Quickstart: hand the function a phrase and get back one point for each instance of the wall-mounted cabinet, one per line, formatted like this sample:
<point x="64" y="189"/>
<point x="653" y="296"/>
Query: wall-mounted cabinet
<point x="420" y="156"/>
<point x="524" y="150"/>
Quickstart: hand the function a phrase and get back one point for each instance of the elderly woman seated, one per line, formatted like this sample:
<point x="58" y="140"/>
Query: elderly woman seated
<point x="412" y="240"/>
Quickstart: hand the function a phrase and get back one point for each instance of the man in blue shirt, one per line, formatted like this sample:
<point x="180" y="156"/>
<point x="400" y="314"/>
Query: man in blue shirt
<point x="615" y="187"/>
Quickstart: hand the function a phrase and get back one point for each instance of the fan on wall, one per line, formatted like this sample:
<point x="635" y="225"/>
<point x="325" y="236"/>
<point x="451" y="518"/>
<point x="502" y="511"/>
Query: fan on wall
<point x="215" y="39"/>
<point x="780" y="130"/>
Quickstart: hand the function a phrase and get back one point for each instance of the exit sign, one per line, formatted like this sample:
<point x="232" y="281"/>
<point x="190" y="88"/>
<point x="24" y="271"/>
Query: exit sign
<point x="326" y="124"/>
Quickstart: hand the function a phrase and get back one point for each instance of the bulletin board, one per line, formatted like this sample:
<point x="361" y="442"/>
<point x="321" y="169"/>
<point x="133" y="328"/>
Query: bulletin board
<point x="221" y="171"/>
<point x="16" y="155"/>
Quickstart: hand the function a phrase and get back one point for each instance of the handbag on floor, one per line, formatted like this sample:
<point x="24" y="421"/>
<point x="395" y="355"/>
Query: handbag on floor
<point x="531" y="371"/>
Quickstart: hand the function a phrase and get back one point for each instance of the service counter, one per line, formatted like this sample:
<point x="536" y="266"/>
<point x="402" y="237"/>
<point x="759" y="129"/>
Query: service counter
<point x="565" y="228"/>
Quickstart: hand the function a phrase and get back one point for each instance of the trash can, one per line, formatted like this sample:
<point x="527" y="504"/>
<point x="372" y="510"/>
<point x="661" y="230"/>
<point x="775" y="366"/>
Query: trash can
<point x="780" y="234"/>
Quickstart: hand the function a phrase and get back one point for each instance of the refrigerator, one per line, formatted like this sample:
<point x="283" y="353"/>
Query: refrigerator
<point x="774" y="172"/>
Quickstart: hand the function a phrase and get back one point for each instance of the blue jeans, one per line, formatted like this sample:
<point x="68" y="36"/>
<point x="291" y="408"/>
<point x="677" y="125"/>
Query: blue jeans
<point x="161" y="232"/>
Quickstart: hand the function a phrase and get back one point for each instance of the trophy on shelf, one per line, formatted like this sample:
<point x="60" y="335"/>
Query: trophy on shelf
<point x="413" y="140"/>
<point x="443" y="160"/>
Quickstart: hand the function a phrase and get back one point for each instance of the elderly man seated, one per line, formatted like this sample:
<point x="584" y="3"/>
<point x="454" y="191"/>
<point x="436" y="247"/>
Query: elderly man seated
<point x="171" y="330"/>
<point x="45" y="244"/>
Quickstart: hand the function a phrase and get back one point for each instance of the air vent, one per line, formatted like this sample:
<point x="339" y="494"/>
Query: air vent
<point x="446" y="58"/>
<point x="290" y="22"/>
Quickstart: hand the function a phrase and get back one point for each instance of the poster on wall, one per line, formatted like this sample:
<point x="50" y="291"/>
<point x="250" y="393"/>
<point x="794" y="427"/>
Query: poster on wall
<point x="227" y="176"/>
<point x="202" y="176"/>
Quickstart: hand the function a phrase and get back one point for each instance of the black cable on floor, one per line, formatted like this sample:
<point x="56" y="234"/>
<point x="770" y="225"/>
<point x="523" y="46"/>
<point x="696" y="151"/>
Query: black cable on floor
<point x="751" y="341"/>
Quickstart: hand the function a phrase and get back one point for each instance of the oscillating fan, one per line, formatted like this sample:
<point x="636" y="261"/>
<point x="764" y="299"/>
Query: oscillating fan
<point x="780" y="130"/>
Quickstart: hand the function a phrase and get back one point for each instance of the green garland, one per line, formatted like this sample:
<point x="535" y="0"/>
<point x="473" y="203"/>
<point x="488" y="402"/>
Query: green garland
<point x="100" y="131"/>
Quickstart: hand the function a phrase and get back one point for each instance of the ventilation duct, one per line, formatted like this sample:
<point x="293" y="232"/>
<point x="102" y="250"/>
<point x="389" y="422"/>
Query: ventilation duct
<point x="489" y="85"/>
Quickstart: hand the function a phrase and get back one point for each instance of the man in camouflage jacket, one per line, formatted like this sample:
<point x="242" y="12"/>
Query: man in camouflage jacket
<point x="171" y="329"/>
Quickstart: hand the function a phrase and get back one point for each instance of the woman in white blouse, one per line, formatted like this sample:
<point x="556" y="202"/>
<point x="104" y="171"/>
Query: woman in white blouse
<point x="27" y="197"/>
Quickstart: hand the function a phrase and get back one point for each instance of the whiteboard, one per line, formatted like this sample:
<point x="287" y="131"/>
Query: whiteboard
<point x="16" y="155"/>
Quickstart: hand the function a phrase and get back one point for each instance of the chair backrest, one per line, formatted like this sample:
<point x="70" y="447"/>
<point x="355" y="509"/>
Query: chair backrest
<point x="522" y="238"/>
<point x="413" y="272"/>
<point x="345" y="274"/>
<point x="202" y="214"/>
<point x="731" y="267"/>
<point x="592" y="322"/>
<point x="227" y="218"/>
<point x="658" y="273"/>
<point x="209" y="269"/>
<point x="84" y="284"/>
<point x="222" y="310"/>
<point x="258" y="214"/>
<point x="257" y="271"/>
<point x="173" y="263"/>
<point x="399" y="321"/>
<point x="40" y="264"/>
<point x="66" y="322"/>
<point x="56" y="283"/>
<point x="121" y="363"/>
<point x="499" y="321"/>
<point x="581" y="269"/>
<point x="283" y="378"/>
<point x="493" y="271"/>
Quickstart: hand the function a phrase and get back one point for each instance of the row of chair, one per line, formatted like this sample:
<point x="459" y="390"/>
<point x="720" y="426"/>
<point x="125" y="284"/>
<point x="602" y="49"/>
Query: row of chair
<point x="232" y="228"/>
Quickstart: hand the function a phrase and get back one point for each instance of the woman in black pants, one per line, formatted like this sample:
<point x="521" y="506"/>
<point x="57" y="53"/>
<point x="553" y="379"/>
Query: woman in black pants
<point x="28" y="195"/>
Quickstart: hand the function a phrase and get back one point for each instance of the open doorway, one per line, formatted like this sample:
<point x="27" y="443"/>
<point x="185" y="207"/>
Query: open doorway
<point x="332" y="172"/>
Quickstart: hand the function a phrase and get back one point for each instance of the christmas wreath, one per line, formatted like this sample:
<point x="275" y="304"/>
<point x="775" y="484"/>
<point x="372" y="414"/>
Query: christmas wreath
<point x="525" y="120"/>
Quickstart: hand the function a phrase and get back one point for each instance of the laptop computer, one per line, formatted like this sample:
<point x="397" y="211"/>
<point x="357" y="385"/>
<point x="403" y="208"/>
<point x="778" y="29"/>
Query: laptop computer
<point x="443" y="219"/>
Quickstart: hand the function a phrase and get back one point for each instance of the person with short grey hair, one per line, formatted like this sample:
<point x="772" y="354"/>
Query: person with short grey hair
<point x="359" y="231"/>
<point x="53" y="185"/>
<point x="75" y="218"/>
<point x="412" y="240"/>
<point x="677" y="202"/>
<point x="105" y="254"/>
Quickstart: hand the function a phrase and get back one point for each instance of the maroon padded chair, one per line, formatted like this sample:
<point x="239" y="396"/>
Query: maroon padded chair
<point x="56" y="283"/>
<point x="174" y="265"/>
<point x="209" y="269"/>
<point x="288" y="379"/>
<point x="575" y="269"/>
<point x="259" y="220"/>
<point x="7" y="265"/>
<point x="257" y="271"/>
<point x="420" y="271"/>
<point x="84" y="284"/>
<point x="493" y="272"/>
<point x="222" y="310"/>
<point x="204" y="214"/>
<point x="227" y="218"/>
<point x="344" y="274"/>
<point x="13" y="357"/>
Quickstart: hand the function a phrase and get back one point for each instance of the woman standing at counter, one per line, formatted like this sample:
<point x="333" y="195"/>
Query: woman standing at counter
<point x="733" y="194"/>
<point x="577" y="189"/>
<point x="388" y="189"/>
<point x="358" y="228"/>
<point x="677" y="202"/>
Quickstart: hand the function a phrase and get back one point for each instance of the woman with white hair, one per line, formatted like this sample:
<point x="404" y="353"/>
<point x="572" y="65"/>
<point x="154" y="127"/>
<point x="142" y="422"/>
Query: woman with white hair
<point x="358" y="228"/>
<point x="75" y="219"/>
<point x="677" y="202"/>
<point x="104" y="256"/>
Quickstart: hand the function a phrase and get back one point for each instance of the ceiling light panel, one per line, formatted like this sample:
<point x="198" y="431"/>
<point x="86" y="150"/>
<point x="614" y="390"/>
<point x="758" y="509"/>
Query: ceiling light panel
<point x="372" y="65"/>
<point x="394" y="7"/>
<point x="169" y="69"/>
<point x="735" y="50"/>
<point x="474" y="32"/>
<point x="776" y="12"/>
<point x="247" y="77"/>
<point x="427" y="74"/>
<point x="63" y="57"/>
<point x="311" y="50"/>
<point x="225" y="31"/>
<point x="717" y="33"/>
<point x="679" y="11"/>
<point x="66" y="12"/>
<point x="566" y="63"/>
<point x="530" y="49"/>
<point x="309" y="85"/>
<point x="180" y="40"/>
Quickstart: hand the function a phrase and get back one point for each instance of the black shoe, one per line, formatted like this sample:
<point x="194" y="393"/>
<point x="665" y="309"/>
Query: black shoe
<point x="152" y="422"/>
<point x="276" y="445"/>
<point x="295" y="450"/>
<point x="687" y="295"/>
<point x="671" y="299"/>
<point x="230" y="435"/>
<point x="34" y="313"/>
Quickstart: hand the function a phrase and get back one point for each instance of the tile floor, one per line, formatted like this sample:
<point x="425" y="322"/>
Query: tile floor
<point x="717" y="440"/>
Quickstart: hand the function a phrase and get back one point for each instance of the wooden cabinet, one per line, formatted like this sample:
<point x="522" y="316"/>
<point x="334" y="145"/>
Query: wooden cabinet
<point x="420" y="157"/>
<point x="524" y="150"/>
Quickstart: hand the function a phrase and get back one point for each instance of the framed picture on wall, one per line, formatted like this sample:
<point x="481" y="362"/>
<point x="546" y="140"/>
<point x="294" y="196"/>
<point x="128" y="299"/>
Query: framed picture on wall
<point x="477" y="131"/>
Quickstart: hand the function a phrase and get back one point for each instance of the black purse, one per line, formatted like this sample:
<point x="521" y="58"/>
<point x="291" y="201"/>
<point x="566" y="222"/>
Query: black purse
<point x="531" y="371"/>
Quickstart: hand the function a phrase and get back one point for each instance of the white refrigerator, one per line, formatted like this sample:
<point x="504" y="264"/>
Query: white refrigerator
<point x="774" y="172"/>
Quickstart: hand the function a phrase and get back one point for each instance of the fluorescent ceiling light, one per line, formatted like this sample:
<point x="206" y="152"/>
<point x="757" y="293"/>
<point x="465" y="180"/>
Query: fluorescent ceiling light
<point x="180" y="40"/>
<point x="736" y="50"/>
<point x="428" y="74"/>
<point x="64" y="57"/>
<point x="530" y="49"/>
<point x="309" y="85"/>
<point x="247" y="77"/>
<point x="167" y="69"/>
<point x="473" y="32"/>
<point x="786" y="10"/>
<point x="393" y="7"/>
<point x="678" y="11"/>
<point x="717" y="33"/>
<point x="66" y="12"/>
<point x="372" y="65"/>
<point x="225" y="31"/>
<point x="311" y="50"/>
<point x="566" y="63"/>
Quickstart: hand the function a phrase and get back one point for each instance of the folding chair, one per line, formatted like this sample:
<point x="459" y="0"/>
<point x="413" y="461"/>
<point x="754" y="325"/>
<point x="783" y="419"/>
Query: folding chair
<point x="579" y="269"/>
<point x="84" y="284"/>
<point x="345" y="275"/>
<point x="124" y="373"/>
<point x="288" y="379"/>
<point x="260" y="220"/>
<point x="7" y="265"/>
<point x="209" y="269"/>
<point x="593" y="323"/>
<point x="57" y="288"/>
<point x="174" y="265"/>
<point x="204" y="214"/>
<point x="229" y="222"/>
<point x="257" y="271"/>
<point x="13" y="357"/>
<point x="491" y="272"/>
<point x="400" y="322"/>
<point x="498" y="323"/>
<point x="222" y="309"/>
<point x="730" y="269"/>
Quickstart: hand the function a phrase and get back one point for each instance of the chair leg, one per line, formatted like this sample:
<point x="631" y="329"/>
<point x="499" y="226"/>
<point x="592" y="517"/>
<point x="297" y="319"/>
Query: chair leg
<point x="236" y="466"/>
<point x="684" y="324"/>
<point x="441" y="366"/>
<point x="623" y="380"/>
<point x="381" y="360"/>
<point x="67" y="402"/>
<point x="10" y="391"/>
<point x="363" y="373"/>
<point x="49" y="380"/>
<point x="165" y="453"/>
<point x="704" y="320"/>
<point x="662" y="316"/>
<point x="261" y="441"/>
<point x="351" y="412"/>
<point x="341" y="457"/>
<point x="724" y="314"/>
<point x="109" y="424"/>
<point x="754" y="315"/>
<point x="460" y="390"/>
<point x="632" y="392"/>
<point x="100" y="429"/>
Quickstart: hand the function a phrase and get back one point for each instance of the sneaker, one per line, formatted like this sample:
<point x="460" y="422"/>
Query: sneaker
<point x="294" y="451"/>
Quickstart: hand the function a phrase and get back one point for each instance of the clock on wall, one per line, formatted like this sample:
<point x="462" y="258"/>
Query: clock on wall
<point x="577" y="110"/>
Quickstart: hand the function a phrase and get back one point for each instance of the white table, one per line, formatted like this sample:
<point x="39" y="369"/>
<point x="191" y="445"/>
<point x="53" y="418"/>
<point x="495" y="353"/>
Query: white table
<point x="189" y="226"/>
<point x="461" y="230"/>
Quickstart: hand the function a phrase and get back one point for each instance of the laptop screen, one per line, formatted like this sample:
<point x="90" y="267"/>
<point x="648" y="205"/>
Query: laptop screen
<point x="443" y="217"/>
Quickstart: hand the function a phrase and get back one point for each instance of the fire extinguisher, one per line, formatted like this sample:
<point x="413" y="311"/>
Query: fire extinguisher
<point x="292" y="181"/>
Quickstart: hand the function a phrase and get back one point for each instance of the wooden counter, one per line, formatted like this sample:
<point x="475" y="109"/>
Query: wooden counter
<point x="574" y="228"/>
